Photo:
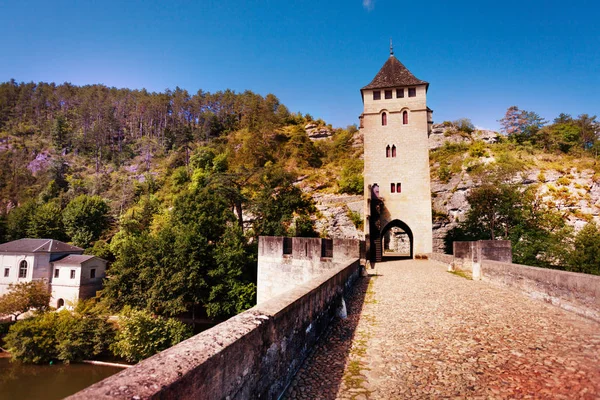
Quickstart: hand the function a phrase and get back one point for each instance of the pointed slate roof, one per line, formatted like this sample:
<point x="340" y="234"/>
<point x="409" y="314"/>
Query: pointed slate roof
<point x="38" y="246"/>
<point x="393" y="74"/>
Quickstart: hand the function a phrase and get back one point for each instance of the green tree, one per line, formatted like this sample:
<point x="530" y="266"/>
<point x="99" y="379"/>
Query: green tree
<point x="521" y="125"/>
<point x="231" y="290"/>
<point x="585" y="256"/>
<point x="33" y="340"/>
<point x="464" y="124"/>
<point x="18" y="221"/>
<point x="47" y="222"/>
<point x="276" y="201"/>
<point x="493" y="210"/>
<point x="142" y="335"/>
<point x="352" y="180"/>
<point x="60" y="130"/>
<point x="85" y="218"/>
<point x="507" y="211"/>
<point x="80" y="336"/>
<point x="24" y="296"/>
<point x="65" y="336"/>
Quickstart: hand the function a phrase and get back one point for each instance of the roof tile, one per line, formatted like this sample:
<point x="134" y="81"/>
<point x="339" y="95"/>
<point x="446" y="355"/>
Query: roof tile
<point x="393" y="74"/>
<point x="38" y="246"/>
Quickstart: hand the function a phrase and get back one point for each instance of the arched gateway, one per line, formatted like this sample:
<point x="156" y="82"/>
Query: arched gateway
<point x="397" y="240"/>
<point x="397" y="184"/>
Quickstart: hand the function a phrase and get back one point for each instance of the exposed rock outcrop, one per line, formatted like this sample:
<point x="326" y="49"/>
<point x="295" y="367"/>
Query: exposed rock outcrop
<point x="442" y="133"/>
<point x="317" y="132"/>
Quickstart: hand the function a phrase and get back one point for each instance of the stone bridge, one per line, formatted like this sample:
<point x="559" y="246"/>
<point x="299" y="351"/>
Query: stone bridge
<point x="414" y="330"/>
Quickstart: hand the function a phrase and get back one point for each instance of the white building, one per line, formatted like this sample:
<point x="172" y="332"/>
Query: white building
<point x="70" y="275"/>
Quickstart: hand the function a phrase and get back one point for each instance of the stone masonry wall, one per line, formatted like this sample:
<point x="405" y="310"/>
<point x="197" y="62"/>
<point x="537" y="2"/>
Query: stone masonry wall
<point x="576" y="292"/>
<point x="468" y="255"/>
<point x="278" y="272"/>
<point x="253" y="355"/>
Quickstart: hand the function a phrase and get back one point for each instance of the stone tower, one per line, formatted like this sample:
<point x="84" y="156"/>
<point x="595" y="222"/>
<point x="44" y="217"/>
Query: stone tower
<point x="396" y="123"/>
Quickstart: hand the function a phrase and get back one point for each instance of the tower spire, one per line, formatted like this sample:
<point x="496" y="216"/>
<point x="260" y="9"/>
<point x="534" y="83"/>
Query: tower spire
<point x="391" y="48"/>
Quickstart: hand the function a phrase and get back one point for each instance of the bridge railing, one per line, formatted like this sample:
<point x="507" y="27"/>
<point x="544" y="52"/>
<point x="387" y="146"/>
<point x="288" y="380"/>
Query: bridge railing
<point x="252" y="355"/>
<point x="576" y="292"/>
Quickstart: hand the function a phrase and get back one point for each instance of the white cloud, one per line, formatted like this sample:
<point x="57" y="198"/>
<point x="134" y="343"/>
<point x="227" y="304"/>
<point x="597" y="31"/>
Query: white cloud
<point x="368" y="4"/>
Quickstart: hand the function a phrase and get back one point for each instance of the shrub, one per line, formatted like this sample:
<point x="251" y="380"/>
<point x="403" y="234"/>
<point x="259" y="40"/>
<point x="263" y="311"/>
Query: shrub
<point x="81" y="337"/>
<point x="465" y="125"/>
<point x="59" y="336"/>
<point x="142" y="335"/>
<point x="33" y="340"/>
<point x="585" y="256"/>
<point x="564" y="181"/>
<point x="477" y="149"/>
<point x="352" y="180"/>
<point x="444" y="173"/>
<point x="541" y="177"/>
<point x="356" y="219"/>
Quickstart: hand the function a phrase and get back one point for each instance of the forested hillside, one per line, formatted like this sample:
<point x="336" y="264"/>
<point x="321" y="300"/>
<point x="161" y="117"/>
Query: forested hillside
<point x="172" y="188"/>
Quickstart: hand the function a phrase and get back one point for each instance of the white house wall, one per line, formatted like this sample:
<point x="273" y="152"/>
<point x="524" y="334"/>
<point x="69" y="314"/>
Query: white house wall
<point x="12" y="261"/>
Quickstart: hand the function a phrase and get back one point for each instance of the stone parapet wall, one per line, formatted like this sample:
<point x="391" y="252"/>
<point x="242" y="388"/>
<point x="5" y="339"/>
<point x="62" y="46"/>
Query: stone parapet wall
<point x="446" y="259"/>
<point x="279" y="272"/>
<point x="469" y="255"/>
<point x="576" y="292"/>
<point x="252" y="355"/>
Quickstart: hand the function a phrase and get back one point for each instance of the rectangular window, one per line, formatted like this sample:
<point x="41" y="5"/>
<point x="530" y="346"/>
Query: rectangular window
<point x="412" y="92"/>
<point x="398" y="188"/>
<point x="376" y="94"/>
<point x="326" y="248"/>
<point x="92" y="273"/>
<point x="399" y="93"/>
<point x="6" y="272"/>
<point x="56" y="272"/>
<point x="388" y="94"/>
<point x="393" y="188"/>
<point x="72" y="274"/>
<point x="287" y="245"/>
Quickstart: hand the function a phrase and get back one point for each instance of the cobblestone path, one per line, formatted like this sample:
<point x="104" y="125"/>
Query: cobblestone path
<point x="417" y="331"/>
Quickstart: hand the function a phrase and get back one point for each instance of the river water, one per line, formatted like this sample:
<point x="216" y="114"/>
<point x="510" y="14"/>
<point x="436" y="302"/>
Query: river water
<point x="47" y="382"/>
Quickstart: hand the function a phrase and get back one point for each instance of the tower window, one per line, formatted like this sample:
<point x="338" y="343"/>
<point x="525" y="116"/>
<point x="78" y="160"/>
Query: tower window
<point x="384" y="119"/>
<point x="412" y="92"/>
<point x="387" y="151"/>
<point x="399" y="93"/>
<point x="388" y="94"/>
<point x="56" y="272"/>
<point x="405" y="117"/>
<point x="72" y="274"/>
<point x="92" y="273"/>
<point x="398" y="187"/>
<point x="393" y="188"/>
<point x="394" y="151"/>
<point x="376" y="94"/>
<point x="6" y="272"/>
<point x="23" y="269"/>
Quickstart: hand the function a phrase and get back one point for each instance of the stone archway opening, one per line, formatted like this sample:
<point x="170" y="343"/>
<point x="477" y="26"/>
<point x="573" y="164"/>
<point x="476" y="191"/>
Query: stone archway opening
<point x="397" y="240"/>
<point x="60" y="303"/>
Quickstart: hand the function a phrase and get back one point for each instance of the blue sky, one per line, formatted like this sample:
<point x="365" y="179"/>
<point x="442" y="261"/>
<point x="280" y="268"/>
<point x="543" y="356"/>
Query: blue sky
<point x="479" y="57"/>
